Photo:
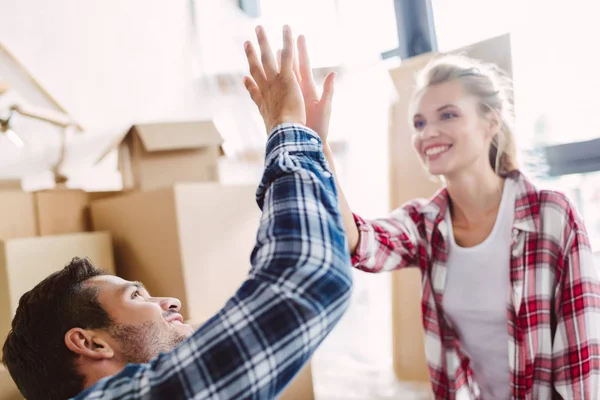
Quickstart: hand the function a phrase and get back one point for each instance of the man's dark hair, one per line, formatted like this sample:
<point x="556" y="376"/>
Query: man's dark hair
<point x="35" y="353"/>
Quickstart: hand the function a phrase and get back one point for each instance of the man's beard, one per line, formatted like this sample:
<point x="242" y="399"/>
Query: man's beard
<point x="141" y="343"/>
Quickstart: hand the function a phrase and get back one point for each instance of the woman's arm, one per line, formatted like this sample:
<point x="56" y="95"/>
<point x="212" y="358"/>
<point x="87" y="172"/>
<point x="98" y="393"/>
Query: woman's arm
<point x="384" y="244"/>
<point x="351" y="228"/>
<point x="376" y="246"/>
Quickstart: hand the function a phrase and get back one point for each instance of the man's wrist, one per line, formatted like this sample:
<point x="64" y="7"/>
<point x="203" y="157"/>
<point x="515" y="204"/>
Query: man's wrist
<point x="291" y="137"/>
<point x="285" y="120"/>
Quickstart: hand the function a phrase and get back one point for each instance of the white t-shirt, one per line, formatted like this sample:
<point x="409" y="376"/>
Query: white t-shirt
<point x="476" y="299"/>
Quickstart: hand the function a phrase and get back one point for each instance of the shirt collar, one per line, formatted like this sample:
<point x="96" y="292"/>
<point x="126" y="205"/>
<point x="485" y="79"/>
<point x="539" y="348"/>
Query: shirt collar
<point x="527" y="205"/>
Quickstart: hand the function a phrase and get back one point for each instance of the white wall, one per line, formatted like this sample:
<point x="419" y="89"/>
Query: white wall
<point x="109" y="63"/>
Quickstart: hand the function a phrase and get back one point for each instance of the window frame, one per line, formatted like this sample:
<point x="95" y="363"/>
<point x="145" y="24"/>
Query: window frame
<point x="415" y="28"/>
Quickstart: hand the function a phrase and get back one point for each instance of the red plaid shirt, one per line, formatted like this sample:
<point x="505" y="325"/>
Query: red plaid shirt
<point x="553" y="318"/>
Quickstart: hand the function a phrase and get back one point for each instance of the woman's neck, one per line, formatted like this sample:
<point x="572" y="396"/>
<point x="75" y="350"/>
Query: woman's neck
<point x="474" y="194"/>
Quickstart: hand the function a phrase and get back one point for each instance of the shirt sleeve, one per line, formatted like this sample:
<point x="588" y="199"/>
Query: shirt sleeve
<point x="297" y="290"/>
<point x="389" y="243"/>
<point x="576" y="346"/>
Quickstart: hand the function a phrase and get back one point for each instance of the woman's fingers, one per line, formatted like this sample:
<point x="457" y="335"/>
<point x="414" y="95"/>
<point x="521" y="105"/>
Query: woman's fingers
<point x="327" y="96"/>
<point x="304" y="60"/>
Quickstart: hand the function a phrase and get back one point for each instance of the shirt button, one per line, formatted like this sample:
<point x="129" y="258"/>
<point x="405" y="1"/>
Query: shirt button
<point x="313" y="140"/>
<point x="326" y="174"/>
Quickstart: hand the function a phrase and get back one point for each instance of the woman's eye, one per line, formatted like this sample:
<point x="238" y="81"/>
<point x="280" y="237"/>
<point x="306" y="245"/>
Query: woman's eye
<point x="135" y="294"/>
<point x="448" y="115"/>
<point x="419" y="124"/>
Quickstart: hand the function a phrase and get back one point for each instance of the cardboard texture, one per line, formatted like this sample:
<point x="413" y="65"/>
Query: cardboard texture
<point x="93" y="196"/>
<point x="410" y="180"/>
<point x="47" y="212"/>
<point x="191" y="241"/>
<point x="24" y="262"/>
<point x="300" y="388"/>
<point x="10" y="184"/>
<point x="156" y="155"/>
<point x="62" y="211"/>
<point x="17" y="214"/>
<point x="8" y="389"/>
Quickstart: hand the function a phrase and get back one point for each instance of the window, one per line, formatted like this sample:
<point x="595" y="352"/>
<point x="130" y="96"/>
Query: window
<point x="338" y="32"/>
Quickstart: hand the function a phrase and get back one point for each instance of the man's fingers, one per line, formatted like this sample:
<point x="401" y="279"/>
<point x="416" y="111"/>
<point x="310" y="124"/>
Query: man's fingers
<point x="305" y="68"/>
<point x="287" y="54"/>
<point x="253" y="90"/>
<point x="279" y="59"/>
<point x="297" y="68"/>
<point x="266" y="54"/>
<point x="256" y="69"/>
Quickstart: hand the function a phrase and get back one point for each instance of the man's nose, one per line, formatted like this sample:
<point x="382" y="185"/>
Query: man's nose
<point x="170" y="304"/>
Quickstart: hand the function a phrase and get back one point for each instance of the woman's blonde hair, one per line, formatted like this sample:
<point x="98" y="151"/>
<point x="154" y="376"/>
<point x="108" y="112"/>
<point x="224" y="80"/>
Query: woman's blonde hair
<point x="493" y="90"/>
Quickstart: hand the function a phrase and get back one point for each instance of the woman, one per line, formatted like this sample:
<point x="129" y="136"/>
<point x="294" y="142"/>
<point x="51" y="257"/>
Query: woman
<point x="510" y="295"/>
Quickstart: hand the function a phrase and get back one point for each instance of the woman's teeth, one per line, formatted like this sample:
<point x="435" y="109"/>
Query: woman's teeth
<point x="436" y="150"/>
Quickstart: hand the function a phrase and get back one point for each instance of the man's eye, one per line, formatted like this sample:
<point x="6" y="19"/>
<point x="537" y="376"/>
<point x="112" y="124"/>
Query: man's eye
<point x="135" y="294"/>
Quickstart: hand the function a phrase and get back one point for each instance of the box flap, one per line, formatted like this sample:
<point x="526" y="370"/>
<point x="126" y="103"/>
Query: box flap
<point x="178" y="135"/>
<point x="10" y="184"/>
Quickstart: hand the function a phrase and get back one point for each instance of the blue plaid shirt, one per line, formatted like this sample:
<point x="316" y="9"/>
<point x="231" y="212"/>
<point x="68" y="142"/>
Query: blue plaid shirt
<point x="297" y="290"/>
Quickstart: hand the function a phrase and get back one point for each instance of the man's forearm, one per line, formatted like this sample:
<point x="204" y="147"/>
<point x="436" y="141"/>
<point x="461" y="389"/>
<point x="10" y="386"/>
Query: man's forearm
<point x="300" y="279"/>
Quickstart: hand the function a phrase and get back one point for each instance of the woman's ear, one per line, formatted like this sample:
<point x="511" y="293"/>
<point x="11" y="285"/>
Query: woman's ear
<point x="494" y="123"/>
<point x="88" y="343"/>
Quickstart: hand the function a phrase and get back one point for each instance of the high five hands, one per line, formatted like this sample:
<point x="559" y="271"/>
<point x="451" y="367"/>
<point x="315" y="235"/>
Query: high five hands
<point x="284" y="90"/>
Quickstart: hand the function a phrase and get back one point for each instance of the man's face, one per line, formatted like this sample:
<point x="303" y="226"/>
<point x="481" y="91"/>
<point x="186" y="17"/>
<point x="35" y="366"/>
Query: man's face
<point x="144" y="326"/>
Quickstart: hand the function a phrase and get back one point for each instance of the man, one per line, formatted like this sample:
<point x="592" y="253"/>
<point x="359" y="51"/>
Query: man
<point x="83" y="334"/>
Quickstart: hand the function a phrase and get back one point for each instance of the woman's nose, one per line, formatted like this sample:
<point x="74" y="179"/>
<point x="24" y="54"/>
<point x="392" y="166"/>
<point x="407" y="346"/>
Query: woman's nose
<point x="429" y="131"/>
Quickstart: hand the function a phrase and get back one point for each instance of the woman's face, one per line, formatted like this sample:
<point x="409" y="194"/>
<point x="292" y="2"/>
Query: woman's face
<point x="450" y="134"/>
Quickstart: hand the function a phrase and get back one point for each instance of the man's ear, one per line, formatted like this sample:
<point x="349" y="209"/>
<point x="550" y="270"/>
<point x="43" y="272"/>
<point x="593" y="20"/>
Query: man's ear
<point x="88" y="343"/>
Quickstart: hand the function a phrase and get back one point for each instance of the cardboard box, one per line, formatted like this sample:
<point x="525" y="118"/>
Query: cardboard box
<point x="191" y="241"/>
<point x="409" y="180"/>
<point x="10" y="184"/>
<point x="61" y="211"/>
<point x="8" y="389"/>
<point x="47" y="212"/>
<point x="157" y="155"/>
<point x="18" y="217"/>
<point x="93" y="196"/>
<point x="24" y="262"/>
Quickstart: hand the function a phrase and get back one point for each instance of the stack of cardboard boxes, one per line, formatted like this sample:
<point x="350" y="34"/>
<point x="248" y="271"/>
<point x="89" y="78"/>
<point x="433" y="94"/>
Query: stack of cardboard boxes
<point x="39" y="233"/>
<point x="174" y="227"/>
